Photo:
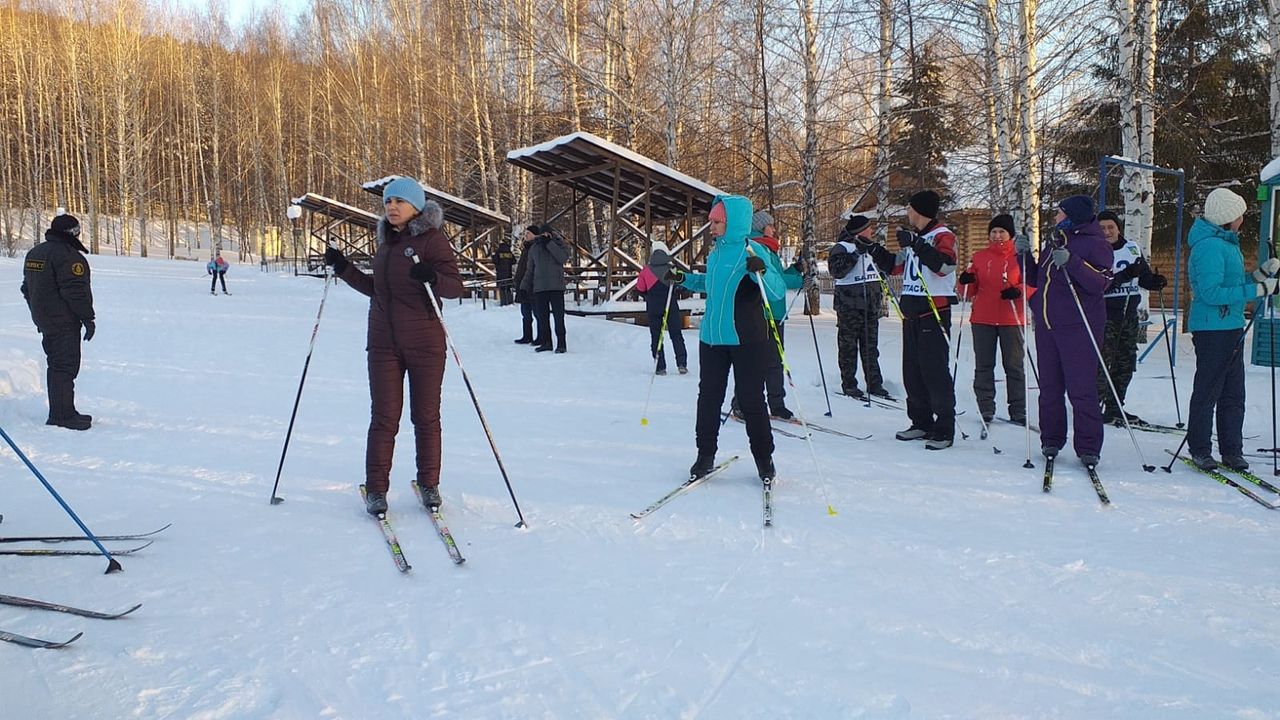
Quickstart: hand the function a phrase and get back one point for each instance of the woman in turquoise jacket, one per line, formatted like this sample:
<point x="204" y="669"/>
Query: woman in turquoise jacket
<point x="734" y="331"/>
<point x="1220" y="289"/>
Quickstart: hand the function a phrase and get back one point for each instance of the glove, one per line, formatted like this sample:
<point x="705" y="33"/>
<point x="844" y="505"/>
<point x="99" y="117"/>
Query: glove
<point x="906" y="238"/>
<point x="89" y="330"/>
<point x="1010" y="293"/>
<point x="755" y="264"/>
<point x="799" y="265"/>
<point x="210" y="270"/>
<point x="673" y="277"/>
<point x="966" y="277"/>
<point x="423" y="272"/>
<point x="1268" y="287"/>
<point x="1061" y="256"/>
<point x="334" y="257"/>
<point x="1158" y="282"/>
<point x="1022" y="244"/>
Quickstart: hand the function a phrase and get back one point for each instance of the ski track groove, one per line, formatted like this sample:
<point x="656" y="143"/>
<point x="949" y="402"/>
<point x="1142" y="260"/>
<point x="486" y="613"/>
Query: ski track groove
<point x="723" y="676"/>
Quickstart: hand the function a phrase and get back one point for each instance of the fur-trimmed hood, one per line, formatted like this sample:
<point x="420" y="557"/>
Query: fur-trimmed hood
<point x="431" y="218"/>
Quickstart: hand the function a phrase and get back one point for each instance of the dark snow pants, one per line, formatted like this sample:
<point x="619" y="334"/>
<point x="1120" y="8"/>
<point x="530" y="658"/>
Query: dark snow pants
<point x="747" y="363"/>
<point x="926" y="373"/>
<point x="1069" y="369"/>
<point x="1218" y="386"/>
<point x="423" y="361"/>
<point x="62" y="355"/>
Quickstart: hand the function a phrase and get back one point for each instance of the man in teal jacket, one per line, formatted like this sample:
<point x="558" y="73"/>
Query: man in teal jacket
<point x="734" y="331"/>
<point x="1220" y="289"/>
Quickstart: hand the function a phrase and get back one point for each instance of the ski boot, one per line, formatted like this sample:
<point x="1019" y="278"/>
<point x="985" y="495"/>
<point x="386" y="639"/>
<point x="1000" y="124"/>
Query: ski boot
<point x="764" y="466"/>
<point x="705" y="463"/>
<point x="375" y="503"/>
<point x="430" y="497"/>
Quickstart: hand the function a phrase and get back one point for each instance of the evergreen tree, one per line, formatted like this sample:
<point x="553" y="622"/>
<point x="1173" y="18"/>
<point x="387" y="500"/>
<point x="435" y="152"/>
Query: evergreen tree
<point x="925" y="131"/>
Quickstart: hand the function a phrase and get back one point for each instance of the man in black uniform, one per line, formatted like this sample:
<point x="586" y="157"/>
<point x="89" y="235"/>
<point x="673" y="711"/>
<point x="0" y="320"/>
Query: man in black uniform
<point x="55" y="283"/>
<point x="503" y="262"/>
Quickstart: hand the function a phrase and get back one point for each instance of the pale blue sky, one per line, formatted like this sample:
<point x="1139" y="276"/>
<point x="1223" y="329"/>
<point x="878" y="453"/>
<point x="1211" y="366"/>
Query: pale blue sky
<point x="238" y="10"/>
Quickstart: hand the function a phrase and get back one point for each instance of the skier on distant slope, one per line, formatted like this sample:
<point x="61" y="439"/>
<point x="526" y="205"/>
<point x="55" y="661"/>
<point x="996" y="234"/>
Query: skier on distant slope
<point x="405" y="334"/>
<point x="734" y="332"/>
<point x="217" y="267"/>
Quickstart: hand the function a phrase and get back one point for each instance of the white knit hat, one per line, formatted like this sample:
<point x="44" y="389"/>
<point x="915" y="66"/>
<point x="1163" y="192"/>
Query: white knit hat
<point x="1222" y="207"/>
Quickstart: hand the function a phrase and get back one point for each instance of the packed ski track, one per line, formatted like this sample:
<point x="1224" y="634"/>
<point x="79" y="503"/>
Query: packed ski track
<point x="947" y="584"/>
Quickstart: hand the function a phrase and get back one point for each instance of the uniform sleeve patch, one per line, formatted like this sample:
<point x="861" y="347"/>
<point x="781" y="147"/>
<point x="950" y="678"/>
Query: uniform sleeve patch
<point x="35" y="265"/>
<point x="77" y="269"/>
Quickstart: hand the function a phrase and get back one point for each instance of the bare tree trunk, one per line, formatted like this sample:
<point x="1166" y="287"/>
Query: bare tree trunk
<point x="1028" y="183"/>
<point x="1273" y="39"/>
<point x="884" y="118"/>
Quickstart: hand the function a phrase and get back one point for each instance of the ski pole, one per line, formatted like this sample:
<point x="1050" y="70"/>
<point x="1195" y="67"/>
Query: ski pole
<point x="1025" y="359"/>
<point x="946" y="338"/>
<point x="782" y="356"/>
<point x="112" y="564"/>
<point x="1098" y="352"/>
<point x="1173" y="375"/>
<point x="431" y="293"/>
<point x="644" y="414"/>
<point x="315" y="329"/>
<point x="816" y="351"/>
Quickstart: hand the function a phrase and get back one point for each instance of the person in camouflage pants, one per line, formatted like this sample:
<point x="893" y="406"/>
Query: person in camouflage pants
<point x="858" y="305"/>
<point x="1129" y="272"/>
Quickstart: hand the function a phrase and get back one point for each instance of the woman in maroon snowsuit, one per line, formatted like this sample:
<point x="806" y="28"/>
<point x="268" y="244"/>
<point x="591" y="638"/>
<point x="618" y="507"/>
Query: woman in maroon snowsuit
<point x="1077" y="257"/>
<point x="405" y="334"/>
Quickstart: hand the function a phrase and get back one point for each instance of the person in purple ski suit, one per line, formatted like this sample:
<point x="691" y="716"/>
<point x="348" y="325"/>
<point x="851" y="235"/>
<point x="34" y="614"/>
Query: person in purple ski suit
<point x="1077" y="257"/>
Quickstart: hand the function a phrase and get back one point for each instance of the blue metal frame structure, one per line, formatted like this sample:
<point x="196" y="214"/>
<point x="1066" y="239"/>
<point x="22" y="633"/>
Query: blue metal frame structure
<point x="1177" y="239"/>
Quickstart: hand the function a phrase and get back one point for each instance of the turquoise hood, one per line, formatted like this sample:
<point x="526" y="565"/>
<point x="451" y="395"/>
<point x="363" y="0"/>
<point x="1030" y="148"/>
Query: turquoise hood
<point x="1220" y="286"/>
<point x="726" y="267"/>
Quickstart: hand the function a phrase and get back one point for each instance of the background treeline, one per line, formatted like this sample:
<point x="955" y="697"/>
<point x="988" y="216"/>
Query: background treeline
<point x="152" y="115"/>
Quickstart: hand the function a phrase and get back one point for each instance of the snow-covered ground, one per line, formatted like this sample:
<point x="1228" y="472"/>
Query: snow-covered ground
<point x="947" y="586"/>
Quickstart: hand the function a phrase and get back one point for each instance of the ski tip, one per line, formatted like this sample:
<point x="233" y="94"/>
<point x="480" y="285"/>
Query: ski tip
<point x="112" y="567"/>
<point x="54" y="646"/>
<point x="126" y="612"/>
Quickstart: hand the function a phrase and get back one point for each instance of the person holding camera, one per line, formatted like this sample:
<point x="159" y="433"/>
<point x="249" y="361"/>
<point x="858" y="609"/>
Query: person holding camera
<point x="734" y="334"/>
<point x="405" y="335"/>
<point x="544" y="279"/>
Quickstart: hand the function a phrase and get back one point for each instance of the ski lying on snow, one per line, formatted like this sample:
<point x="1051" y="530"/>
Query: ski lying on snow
<point x="875" y="400"/>
<point x="1251" y="477"/>
<point x="42" y="605"/>
<point x="442" y="530"/>
<point x="1227" y="481"/>
<point x="389" y="535"/>
<point x="684" y="487"/>
<point x="73" y="538"/>
<point x="51" y="552"/>
<point x="1048" y="474"/>
<point x="768" y="503"/>
<point x="25" y="641"/>
<point x="820" y="428"/>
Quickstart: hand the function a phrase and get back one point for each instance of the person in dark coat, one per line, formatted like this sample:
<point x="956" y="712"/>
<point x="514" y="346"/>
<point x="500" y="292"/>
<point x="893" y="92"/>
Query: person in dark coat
<point x="56" y="286"/>
<point x="523" y="296"/>
<point x="1074" y="271"/>
<point x="662" y="307"/>
<point x="1129" y="271"/>
<point x="503" y="262"/>
<point x="544" y="278"/>
<point x="858" y="303"/>
<point x="405" y="334"/>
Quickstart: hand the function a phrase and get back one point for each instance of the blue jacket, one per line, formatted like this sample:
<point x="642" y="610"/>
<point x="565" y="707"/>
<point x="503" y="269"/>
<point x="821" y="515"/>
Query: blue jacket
<point x="1220" y="287"/>
<point x="726" y="270"/>
<point x="792" y="279"/>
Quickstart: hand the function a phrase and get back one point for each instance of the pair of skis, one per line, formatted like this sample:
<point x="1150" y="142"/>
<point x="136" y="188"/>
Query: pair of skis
<point x="694" y="482"/>
<point x="1230" y="481"/>
<point x="37" y="643"/>
<point x="437" y="521"/>
<point x="1093" y="479"/>
<point x="793" y="421"/>
<point x="57" y="539"/>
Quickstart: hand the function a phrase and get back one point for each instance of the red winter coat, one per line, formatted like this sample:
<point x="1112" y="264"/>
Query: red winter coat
<point x="995" y="268"/>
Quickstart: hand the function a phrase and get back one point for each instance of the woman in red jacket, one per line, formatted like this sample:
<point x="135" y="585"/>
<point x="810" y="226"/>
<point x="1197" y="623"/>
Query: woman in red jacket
<point x="405" y="335"/>
<point x="993" y="284"/>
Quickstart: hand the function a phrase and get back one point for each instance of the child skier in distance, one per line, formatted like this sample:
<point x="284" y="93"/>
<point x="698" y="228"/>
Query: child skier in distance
<point x="661" y="306"/>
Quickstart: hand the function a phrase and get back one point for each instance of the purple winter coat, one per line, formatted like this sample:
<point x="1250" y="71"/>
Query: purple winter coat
<point x="1089" y="269"/>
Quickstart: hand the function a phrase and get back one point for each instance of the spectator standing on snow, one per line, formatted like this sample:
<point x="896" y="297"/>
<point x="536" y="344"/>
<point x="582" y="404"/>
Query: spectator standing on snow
<point x="544" y="279"/>
<point x="993" y="285"/>
<point x="734" y="332"/>
<point x="662" y="306"/>
<point x="56" y="286"/>
<point x="859" y="303"/>
<point x="503" y="262"/>
<point x="1129" y="271"/>
<point x="405" y="335"/>
<point x="1220" y="289"/>
<point x="525" y="297"/>
<point x="1073" y="272"/>
<point x="217" y="268"/>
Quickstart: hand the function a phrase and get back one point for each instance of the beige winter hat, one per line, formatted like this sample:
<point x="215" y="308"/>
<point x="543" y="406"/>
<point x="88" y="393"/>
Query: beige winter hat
<point x="1222" y="207"/>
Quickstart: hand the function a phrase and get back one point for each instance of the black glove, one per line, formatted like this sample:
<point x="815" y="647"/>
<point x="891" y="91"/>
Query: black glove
<point x="906" y="238"/>
<point x="1011" y="293"/>
<point x="1158" y="282"/>
<point x="673" y="277"/>
<point x="966" y="277"/>
<point x="89" y="330"/>
<point x="755" y="264"/>
<point x="799" y="265"/>
<point x="423" y="272"/>
<point x="334" y="257"/>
